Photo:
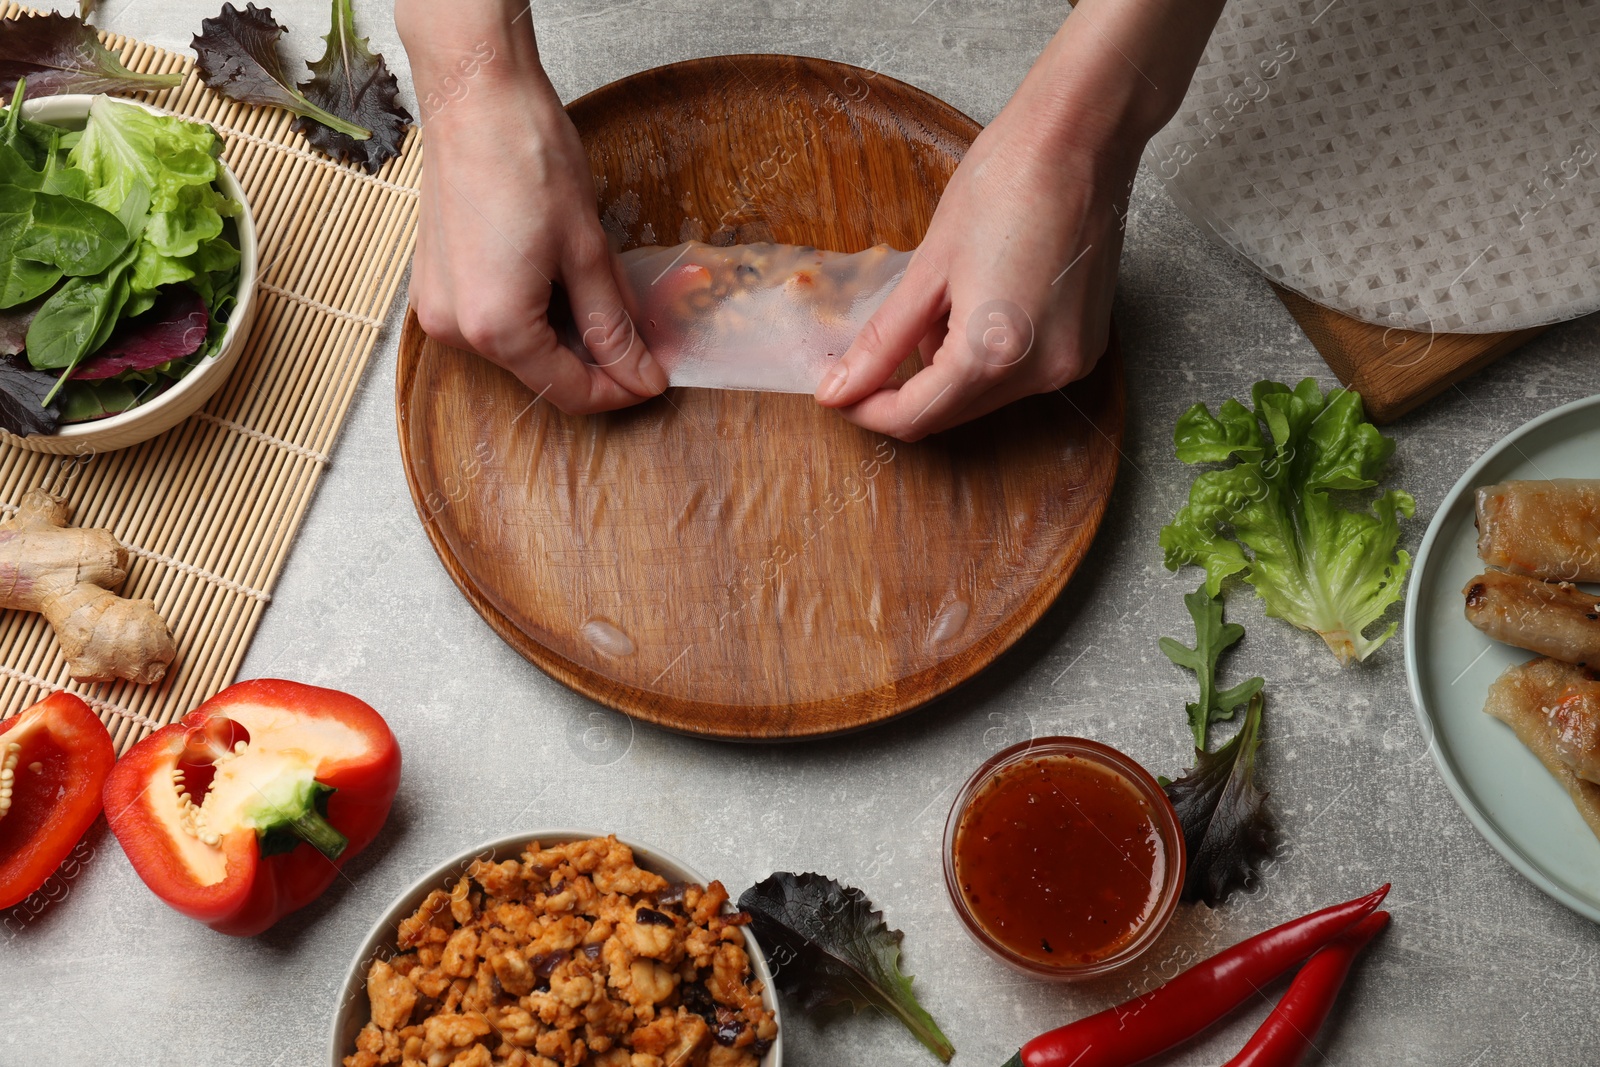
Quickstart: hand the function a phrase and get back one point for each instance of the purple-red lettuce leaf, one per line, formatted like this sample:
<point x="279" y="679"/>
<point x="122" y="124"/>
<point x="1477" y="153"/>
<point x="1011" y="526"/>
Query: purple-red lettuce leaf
<point x="1227" y="832"/>
<point x="353" y="82"/>
<point x="22" y="394"/>
<point x="237" y="55"/>
<point x="174" y="327"/>
<point x="827" y="946"/>
<point x="62" y="54"/>
<point x="14" y="326"/>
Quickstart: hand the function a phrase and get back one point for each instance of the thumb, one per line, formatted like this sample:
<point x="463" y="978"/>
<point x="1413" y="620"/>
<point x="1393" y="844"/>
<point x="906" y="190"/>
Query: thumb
<point x="606" y="328"/>
<point x="888" y="337"/>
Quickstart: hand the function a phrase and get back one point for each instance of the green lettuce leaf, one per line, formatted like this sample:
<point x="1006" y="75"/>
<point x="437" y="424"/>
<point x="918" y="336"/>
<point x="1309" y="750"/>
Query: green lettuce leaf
<point x="827" y="946"/>
<point x="125" y="147"/>
<point x="1273" y="518"/>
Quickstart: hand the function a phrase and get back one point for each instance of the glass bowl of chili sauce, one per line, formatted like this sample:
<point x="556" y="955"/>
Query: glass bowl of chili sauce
<point x="1063" y="857"/>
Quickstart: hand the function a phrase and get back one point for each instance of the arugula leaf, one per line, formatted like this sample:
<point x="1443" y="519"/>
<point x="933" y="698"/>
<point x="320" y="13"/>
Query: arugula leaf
<point x="1227" y="832"/>
<point x="237" y="55"/>
<point x="354" y="83"/>
<point x="62" y="54"/>
<point x="22" y="394"/>
<point x="1316" y="564"/>
<point x="1212" y="638"/>
<point x="827" y="946"/>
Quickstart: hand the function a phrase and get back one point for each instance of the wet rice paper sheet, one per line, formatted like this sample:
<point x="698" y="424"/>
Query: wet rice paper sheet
<point x="757" y="316"/>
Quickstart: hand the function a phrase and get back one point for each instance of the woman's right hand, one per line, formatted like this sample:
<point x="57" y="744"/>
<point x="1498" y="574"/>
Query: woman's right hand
<point x="508" y="210"/>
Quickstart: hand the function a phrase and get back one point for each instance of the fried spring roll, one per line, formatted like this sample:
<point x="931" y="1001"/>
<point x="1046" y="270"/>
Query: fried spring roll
<point x="1523" y="698"/>
<point x="1552" y="618"/>
<point x="1549" y="529"/>
<point x="1575" y="718"/>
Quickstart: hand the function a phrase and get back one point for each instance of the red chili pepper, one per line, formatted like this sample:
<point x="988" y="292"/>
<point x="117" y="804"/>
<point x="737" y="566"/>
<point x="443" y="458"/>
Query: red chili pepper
<point x="54" y="757"/>
<point x="1287" y="1032"/>
<point x="212" y="810"/>
<point x="1174" y="1012"/>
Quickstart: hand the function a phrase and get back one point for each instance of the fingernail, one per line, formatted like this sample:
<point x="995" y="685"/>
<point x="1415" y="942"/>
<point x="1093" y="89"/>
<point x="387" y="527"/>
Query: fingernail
<point x="833" y="382"/>
<point x="652" y="374"/>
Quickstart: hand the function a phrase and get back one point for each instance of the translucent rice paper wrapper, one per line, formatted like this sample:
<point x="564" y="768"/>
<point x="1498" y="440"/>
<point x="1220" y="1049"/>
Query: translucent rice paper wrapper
<point x="758" y="316"/>
<point x="1426" y="166"/>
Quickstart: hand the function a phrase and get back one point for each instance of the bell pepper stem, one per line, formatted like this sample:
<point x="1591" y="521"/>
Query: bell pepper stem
<point x="319" y="833"/>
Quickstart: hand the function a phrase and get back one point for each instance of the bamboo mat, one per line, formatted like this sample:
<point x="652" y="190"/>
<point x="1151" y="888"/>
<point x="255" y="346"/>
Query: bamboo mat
<point x="210" y="509"/>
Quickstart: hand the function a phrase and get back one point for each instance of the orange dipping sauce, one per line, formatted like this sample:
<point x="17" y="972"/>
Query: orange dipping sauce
<point x="1062" y="857"/>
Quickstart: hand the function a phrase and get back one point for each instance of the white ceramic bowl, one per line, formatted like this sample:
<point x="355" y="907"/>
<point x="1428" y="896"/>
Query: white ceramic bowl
<point x="187" y="396"/>
<point x="354" y="1011"/>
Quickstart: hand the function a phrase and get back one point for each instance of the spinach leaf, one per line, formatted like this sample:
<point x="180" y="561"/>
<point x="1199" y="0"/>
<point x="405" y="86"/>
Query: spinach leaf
<point x="73" y="235"/>
<point x="86" y="401"/>
<point x="16" y="172"/>
<point x="827" y="946"/>
<point x="20" y="279"/>
<point x="32" y="141"/>
<point x="78" y="318"/>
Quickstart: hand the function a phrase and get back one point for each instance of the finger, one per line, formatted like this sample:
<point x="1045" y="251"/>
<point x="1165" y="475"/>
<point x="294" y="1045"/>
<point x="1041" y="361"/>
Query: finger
<point x="925" y="402"/>
<point x="879" y="413"/>
<point x="888" y="337"/>
<point x="554" y="373"/>
<point x="605" y="326"/>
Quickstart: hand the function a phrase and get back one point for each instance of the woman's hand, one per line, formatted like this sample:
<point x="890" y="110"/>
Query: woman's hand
<point x="1010" y="291"/>
<point x="508" y="211"/>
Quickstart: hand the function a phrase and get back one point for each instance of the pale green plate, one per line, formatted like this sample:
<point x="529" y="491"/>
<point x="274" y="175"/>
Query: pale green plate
<point x="1504" y="789"/>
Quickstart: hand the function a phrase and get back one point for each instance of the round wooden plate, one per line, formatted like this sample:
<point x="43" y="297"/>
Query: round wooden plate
<point x="750" y="565"/>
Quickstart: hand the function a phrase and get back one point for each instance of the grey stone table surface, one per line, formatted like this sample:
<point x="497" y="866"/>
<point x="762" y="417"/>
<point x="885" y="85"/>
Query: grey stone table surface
<point x="1479" y="968"/>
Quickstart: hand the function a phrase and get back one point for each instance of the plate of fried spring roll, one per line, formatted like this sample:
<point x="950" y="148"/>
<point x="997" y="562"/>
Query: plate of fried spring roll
<point x="1503" y="649"/>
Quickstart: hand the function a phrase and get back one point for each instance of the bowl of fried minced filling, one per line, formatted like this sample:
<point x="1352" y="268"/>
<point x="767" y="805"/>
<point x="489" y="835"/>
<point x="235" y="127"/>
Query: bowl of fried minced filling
<point x="559" y="949"/>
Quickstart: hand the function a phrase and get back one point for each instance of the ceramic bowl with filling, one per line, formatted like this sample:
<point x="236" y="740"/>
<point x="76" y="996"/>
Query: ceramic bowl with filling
<point x="354" y="1010"/>
<point x="186" y="396"/>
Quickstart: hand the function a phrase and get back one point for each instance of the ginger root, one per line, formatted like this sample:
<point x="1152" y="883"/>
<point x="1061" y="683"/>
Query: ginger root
<point x="66" y="574"/>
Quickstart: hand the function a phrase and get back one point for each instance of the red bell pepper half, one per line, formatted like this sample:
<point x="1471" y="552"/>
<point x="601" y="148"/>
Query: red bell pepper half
<point x="54" y="758"/>
<point x="246" y="809"/>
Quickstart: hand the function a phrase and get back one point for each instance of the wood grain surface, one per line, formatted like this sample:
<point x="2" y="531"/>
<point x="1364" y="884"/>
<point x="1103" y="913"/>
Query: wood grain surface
<point x="1396" y="370"/>
<point x="750" y="565"/>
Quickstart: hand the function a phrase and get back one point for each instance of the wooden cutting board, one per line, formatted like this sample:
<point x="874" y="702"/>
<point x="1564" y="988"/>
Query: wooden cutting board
<point x="1395" y="370"/>
<point x="749" y="565"/>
